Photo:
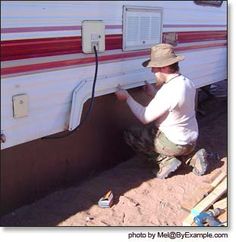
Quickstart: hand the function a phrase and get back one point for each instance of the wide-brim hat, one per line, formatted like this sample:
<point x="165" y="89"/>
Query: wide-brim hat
<point x="162" y="55"/>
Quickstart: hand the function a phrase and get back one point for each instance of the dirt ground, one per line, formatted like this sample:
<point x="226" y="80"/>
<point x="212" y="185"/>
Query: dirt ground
<point x="140" y="199"/>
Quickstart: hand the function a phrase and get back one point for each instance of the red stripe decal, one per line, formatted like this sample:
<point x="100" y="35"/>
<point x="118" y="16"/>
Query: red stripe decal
<point x="194" y="25"/>
<point x="29" y="48"/>
<point x="65" y="63"/>
<point x="186" y="37"/>
<point x="38" y="29"/>
<point x="49" y="28"/>
<point x="81" y="61"/>
<point x="78" y="27"/>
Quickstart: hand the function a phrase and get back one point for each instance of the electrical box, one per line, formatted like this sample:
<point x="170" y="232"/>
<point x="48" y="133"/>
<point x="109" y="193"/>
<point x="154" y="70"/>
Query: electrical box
<point x="20" y="105"/>
<point x="93" y="34"/>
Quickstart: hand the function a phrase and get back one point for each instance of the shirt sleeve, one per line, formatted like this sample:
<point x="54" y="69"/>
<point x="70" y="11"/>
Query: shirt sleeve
<point x="156" y="108"/>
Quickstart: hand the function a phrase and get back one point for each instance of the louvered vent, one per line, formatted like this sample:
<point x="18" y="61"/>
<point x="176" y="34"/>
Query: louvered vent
<point x="142" y="27"/>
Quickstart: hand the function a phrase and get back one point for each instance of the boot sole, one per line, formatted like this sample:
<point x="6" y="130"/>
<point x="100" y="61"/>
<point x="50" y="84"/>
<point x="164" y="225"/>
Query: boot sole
<point x="172" y="169"/>
<point x="203" y="165"/>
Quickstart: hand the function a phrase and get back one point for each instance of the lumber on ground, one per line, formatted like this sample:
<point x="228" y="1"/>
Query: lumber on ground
<point x="208" y="201"/>
<point x="200" y="192"/>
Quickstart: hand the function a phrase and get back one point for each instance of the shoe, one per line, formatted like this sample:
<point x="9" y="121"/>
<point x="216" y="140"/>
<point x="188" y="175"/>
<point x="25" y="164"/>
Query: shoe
<point x="166" y="167"/>
<point x="200" y="162"/>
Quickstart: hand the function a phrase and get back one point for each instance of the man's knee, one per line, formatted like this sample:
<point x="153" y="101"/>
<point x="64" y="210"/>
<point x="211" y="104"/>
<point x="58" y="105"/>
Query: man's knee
<point x="140" y="138"/>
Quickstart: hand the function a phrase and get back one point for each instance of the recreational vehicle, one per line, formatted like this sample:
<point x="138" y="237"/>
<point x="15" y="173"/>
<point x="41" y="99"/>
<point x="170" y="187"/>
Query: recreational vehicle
<point x="61" y="62"/>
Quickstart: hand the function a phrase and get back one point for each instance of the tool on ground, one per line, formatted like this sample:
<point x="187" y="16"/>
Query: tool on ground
<point x="208" y="218"/>
<point x="106" y="201"/>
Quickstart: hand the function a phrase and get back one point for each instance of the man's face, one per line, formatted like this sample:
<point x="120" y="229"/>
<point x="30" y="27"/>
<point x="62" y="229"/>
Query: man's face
<point x="159" y="74"/>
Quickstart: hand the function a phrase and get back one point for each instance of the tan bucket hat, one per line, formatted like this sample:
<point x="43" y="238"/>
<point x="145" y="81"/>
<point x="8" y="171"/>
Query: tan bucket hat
<point x="162" y="55"/>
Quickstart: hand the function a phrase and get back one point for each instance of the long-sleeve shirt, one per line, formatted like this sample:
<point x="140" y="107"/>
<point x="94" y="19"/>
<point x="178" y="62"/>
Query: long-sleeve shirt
<point x="172" y="109"/>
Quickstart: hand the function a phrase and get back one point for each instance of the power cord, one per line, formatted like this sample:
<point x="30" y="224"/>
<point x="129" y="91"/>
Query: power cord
<point x="90" y="106"/>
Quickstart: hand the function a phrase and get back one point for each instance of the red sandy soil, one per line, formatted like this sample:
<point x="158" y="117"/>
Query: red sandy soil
<point x="140" y="199"/>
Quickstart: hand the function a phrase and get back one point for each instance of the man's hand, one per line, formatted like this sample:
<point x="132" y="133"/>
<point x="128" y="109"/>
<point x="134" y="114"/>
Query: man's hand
<point x="121" y="94"/>
<point x="149" y="89"/>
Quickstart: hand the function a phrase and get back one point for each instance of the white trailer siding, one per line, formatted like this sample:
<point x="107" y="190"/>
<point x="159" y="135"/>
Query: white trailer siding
<point x="38" y="19"/>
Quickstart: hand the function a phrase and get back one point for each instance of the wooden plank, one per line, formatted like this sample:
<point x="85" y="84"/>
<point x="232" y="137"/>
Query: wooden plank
<point x="201" y="192"/>
<point x="220" y="190"/>
<point x="218" y="179"/>
<point x="207" y="201"/>
<point x="197" y="194"/>
<point x="222" y="204"/>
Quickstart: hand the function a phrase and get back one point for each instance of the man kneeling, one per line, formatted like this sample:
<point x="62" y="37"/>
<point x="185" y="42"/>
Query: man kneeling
<point x="173" y="138"/>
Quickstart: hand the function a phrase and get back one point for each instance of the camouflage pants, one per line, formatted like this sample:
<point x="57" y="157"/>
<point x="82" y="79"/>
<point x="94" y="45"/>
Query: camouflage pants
<point x="151" y="142"/>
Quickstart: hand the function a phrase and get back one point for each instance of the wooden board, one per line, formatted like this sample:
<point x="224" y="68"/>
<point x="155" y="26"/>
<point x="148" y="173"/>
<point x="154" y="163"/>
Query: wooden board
<point x="205" y="203"/>
<point x="222" y="204"/>
<point x="201" y="192"/>
<point x="218" y="179"/>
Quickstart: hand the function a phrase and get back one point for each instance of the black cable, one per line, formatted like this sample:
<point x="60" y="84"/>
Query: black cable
<point x="90" y="106"/>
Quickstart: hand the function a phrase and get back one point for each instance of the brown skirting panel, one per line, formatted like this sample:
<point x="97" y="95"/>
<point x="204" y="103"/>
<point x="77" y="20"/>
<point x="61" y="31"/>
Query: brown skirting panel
<point x="32" y="170"/>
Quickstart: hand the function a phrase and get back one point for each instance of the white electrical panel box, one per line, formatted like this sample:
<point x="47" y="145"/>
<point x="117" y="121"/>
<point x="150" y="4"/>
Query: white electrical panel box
<point x="20" y="105"/>
<point x="142" y="27"/>
<point x="93" y="34"/>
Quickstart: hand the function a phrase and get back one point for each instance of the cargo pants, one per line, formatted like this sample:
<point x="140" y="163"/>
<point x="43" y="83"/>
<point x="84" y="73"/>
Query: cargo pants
<point x="153" y="143"/>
